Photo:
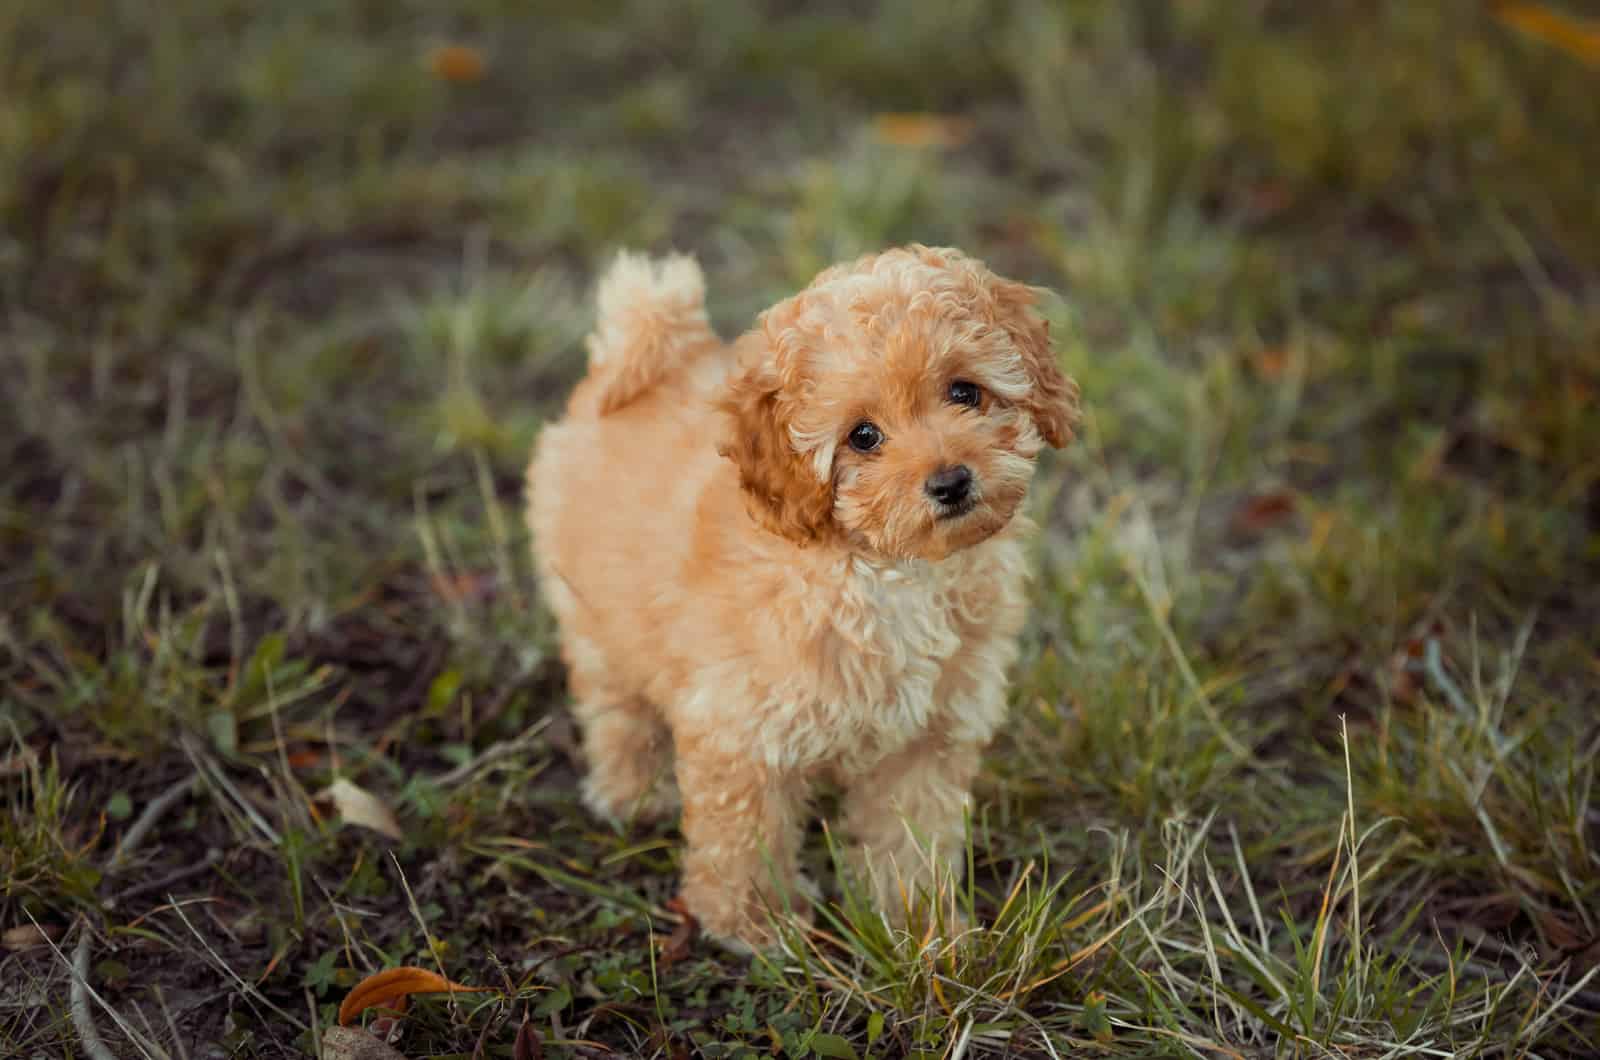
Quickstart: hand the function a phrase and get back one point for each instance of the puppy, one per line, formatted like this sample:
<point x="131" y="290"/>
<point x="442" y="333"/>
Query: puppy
<point x="796" y="558"/>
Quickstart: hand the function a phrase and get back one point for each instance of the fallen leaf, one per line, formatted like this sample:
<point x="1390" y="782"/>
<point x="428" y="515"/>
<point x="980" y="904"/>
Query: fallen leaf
<point x="306" y="759"/>
<point x="1576" y="36"/>
<point x="360" y="807"/>
<point x="391" y="988"/>
<point x="528" y="1046"/>
<point x="27" y="936"/>
<point x="456" y="62"/>
<point x="922" y="130"/>
<point x="353" y="1043"/>
<point x="681" y="941"/>
<point x="1270" y="363"/>
<point x="1263" y="511"/>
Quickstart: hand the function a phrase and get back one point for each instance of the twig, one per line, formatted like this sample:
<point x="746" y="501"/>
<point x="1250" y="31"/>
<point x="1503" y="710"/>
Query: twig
<point x="82" y="1017"/>
<point x="177" y="876"/>
<point x="81" y="993"/>
<point x="82" y="1014"/>
<point x="147" y="820"/>
<point x="494" y="753"/>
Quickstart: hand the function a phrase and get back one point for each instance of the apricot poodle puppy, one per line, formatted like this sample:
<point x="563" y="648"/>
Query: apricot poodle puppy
<point x="796" y="558"/>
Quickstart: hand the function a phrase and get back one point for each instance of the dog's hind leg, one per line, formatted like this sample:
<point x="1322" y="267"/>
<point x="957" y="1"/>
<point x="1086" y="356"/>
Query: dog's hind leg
<point x="629" y="753"/>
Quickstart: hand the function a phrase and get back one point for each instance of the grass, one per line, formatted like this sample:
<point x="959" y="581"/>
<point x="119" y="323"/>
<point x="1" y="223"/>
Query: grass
<point x="1303" y="751"/>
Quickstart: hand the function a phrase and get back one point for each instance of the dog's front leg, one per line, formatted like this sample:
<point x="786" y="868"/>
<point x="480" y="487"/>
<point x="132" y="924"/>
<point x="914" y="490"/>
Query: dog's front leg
<point x="907" y="818"/>
<point x="741" y="818"/>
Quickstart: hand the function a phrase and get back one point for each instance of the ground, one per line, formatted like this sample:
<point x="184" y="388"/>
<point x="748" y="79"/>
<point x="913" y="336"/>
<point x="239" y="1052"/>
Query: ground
<point x="1303" y="749"/>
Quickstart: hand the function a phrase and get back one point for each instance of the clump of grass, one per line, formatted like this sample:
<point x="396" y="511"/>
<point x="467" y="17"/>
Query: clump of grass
<point x="46" y="849"/>
<point x="1178" y="951"/>
<point x="1489" y="783"/>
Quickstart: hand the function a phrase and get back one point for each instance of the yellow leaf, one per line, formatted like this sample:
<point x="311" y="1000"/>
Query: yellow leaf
<point x="456" y="62"/>
<point x="922" y="130"/>
<point x="1575" y="36"/>
<point x="392" y="987"/>
<point x="360" y="807"/>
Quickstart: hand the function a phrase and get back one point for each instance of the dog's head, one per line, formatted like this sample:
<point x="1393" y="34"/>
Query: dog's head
<point x="897" y="402"/>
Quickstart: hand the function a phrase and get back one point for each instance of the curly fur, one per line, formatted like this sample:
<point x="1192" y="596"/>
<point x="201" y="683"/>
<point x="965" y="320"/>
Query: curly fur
<point x="749" y="606"/>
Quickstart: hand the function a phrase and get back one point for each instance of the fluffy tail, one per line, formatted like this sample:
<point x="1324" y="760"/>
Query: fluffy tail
<point x="651" y="323"/>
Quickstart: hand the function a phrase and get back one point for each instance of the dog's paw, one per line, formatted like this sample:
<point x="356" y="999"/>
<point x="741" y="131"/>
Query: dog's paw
<point x="660" y="802"/>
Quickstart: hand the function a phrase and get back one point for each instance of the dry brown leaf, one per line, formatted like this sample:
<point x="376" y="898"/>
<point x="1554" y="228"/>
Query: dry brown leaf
<point x="456" y="62"/>
<point x="681" y="941"/>
<point x="360" y="807"/>
<point x="528" y="1046"/>
<point x="1270" y="363"/>
<point x="1263" y="511"/>
<point x="27" y="936"/>
<point x="353" y="1043"/>
<point x="922" y="130"/>
<point x="1575" y="36"/>
<point x="391" y="988"/>
<point x="306" y="759"/>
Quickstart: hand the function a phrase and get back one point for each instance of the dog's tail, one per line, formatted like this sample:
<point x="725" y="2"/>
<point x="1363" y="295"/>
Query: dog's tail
<point x="651" y="323"/>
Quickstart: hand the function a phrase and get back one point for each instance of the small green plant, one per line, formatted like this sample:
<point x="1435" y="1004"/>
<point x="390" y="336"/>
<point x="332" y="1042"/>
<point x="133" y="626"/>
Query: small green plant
<point x="47" y="862"/>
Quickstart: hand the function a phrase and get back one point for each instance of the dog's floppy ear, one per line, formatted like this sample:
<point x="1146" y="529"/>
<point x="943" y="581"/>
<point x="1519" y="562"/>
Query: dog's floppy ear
<point x="1053" y="401"/>
<point x="781" y="487"/>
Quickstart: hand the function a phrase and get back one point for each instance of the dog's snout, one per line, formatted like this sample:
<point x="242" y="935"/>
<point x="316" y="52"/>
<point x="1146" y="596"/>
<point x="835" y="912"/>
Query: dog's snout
<point x="950" y="485"/>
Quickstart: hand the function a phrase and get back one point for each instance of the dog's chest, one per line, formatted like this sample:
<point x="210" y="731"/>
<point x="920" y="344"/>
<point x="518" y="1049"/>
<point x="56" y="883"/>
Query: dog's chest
<point x="886" y="646"/>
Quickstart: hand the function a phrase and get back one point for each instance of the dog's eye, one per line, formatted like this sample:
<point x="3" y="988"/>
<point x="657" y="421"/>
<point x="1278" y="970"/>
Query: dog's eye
<point x="965" y="393"/>
<point x="865" y="437"/>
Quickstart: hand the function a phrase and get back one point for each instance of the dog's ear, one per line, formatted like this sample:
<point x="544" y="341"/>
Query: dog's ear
<point x="1053" y="400"/>
<point x="781" y="486"/>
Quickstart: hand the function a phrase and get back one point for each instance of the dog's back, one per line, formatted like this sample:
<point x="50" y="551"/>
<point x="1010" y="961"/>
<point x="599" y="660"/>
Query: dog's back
<point x="613" y="484"/>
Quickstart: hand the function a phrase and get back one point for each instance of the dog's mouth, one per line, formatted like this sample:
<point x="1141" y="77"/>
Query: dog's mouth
<point x="950" y="512"/>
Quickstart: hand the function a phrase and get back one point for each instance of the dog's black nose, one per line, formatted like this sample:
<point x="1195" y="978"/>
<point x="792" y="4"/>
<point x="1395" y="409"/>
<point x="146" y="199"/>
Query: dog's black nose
<point x="949" y="485"/>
